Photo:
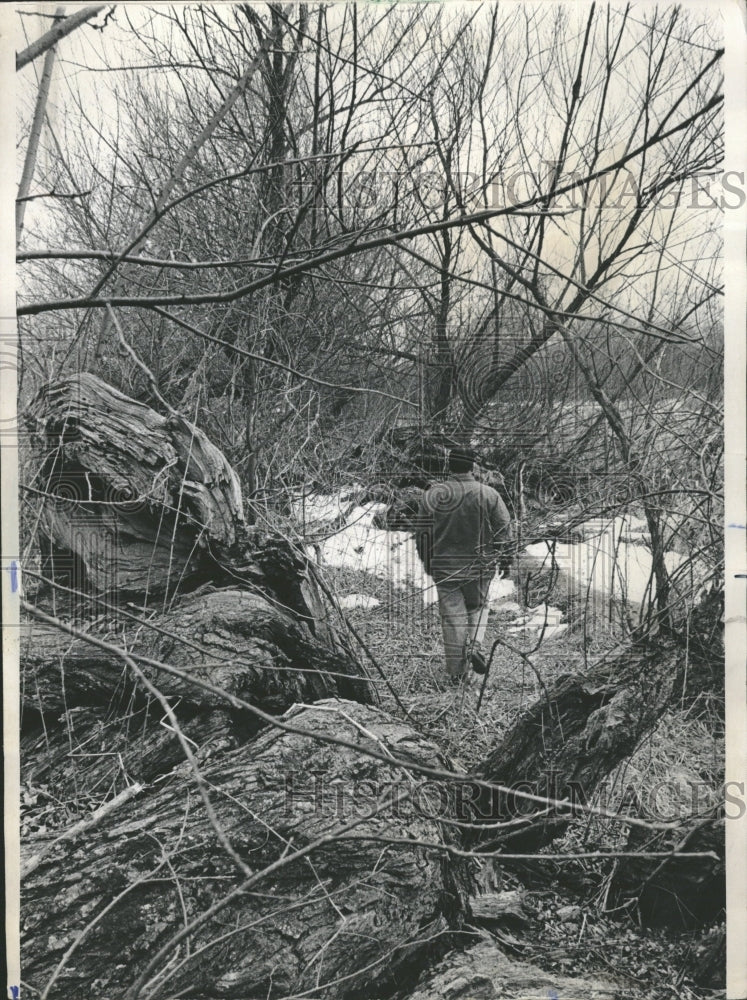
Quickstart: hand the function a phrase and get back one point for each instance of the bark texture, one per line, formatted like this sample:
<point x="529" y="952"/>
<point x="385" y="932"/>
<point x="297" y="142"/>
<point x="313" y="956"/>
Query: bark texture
<point x="487" y="973"/>
<point x="133" y="502"/>
<point x="572" y="737"/>
<point x="350" y="914"/>
<point x="568" y="742"/>
<point x="238" y="641"/>
<point x="81" y="759"/>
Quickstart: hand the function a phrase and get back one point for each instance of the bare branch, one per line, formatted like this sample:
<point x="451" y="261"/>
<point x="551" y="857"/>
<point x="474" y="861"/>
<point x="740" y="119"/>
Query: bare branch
<point x="53" y="36"/>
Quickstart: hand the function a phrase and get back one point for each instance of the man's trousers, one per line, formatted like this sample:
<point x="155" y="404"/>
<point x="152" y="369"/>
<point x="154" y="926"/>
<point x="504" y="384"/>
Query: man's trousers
<point x="464" y="615"/>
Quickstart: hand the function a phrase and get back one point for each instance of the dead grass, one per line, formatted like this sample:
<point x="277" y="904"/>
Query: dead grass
<point x="405" y="638"/>
<point x="683" y="754"/>
<point x="675" y="774"/>
<point x="677" y="770"/>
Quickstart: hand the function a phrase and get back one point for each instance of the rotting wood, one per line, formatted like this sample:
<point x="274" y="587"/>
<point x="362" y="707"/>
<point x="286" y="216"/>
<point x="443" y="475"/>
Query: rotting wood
<point x="348" y="915"/>
<point x="234" y="639"/>
<point x="572" y="737"/>
<point x="132" y="501"/>
<point x="485" y="972"/>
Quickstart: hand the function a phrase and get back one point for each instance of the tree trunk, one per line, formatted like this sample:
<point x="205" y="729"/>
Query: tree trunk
<point x="55" y="34"/>
<point x="137" y="505"/>
<point x="235" y="640"/>
<point x="352" y="912"/>
<point x="487" y="973"/>
<point x="133" y="503"/>
<point x="572" y="737"/>
<point x="86" y="757"/>
<point x="32" y="148"/>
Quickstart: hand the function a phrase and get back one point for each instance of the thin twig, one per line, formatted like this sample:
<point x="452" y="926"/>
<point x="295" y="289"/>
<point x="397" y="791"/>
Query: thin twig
<point x="82" y="826"/>
<point x="271" y="720"/>
<point x="356" y="635"/>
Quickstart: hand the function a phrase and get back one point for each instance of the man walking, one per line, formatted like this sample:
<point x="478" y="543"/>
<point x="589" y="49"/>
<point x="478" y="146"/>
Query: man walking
<point x="463" y="535"/>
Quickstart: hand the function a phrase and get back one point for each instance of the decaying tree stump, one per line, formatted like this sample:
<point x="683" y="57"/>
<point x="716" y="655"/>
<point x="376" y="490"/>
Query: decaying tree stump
<point x="133" y="502"/>
<point x="351" y="912"/>
<point x="139" y="505"/>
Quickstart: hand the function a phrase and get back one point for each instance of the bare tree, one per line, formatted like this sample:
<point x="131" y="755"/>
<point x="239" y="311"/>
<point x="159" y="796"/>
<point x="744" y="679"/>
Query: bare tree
<point x="299" y="227"/>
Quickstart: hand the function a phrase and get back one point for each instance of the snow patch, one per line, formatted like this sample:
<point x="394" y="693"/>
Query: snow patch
<point x="613" y="558"/>
<point x="365" y="601"/>
<point x="543" y="618"/>
<point x="387" y="555"/>
<point x="500" y="588"/>
<point x="318" y="508"/>
<point x="506" y="608"/>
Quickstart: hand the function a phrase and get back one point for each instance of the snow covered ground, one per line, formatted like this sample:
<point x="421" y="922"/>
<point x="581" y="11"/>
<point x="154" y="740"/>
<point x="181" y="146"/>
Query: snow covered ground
<point x="351" y="601"/>
<point x="612" y="560"/>
<point x="388" y="555"/>
<point x="543" y="618"/>
<point x="315" y="509"/>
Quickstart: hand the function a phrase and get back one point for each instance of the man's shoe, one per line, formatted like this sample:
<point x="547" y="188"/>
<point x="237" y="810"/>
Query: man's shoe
<point x="478" y="661"/>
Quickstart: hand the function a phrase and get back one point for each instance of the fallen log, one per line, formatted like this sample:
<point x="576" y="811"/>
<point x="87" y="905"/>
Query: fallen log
<point x="77" y="761"/>
<point x="139" y="505"/>
<point x="235" y="640"/>
<point x="485" y="972"/>
<point x="326" y="908"/>
<point x="573" y="737"/>
<point x="565" y="745"/>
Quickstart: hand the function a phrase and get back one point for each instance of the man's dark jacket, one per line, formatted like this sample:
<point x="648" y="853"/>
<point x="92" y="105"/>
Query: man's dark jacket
<point x="463" y="530"/>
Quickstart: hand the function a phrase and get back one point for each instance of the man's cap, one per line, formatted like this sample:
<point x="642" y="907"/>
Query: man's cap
<point x="465" y="454"/>
<point x="462" y="457"/>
